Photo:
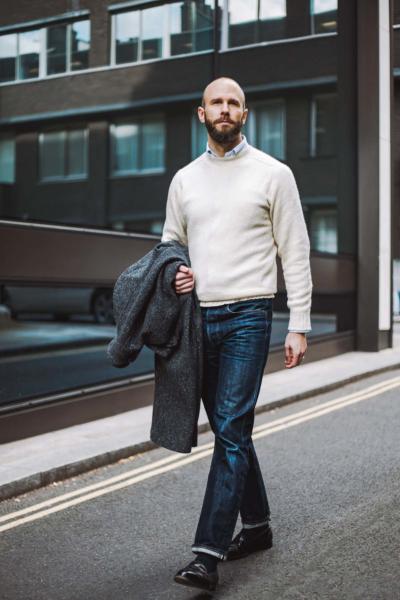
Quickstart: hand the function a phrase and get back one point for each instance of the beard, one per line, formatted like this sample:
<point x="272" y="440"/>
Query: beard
<point x="222" y="136"/>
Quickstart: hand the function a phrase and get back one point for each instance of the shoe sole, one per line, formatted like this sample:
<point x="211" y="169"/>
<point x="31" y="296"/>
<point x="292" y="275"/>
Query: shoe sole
<point x="195" y="584"/>
<point x="239" y="556"/>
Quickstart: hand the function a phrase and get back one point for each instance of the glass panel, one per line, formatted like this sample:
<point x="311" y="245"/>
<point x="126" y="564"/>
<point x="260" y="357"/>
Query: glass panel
<point x="324" y="15"/>
<point x="7" y="160"/>
<point x="52" y="155"/>
<point x="242" y="19"/>
<point x="323" y="235"/>
<point x="199" y="137"/>
<point x="76" y="151"/>
<point x="126" y="36"/>
<point x="80" y="44"/>
<point x="8" y="57"/>
<point x="125" y="148"/>
<point x="270" y="130"/>
<point x="326" y="125"/>
<point x="272" y="20"/>
<point x="152" y="32"/>
<point x="56" y="49"/>
<point x="56" y="338"/>
<point x="255" y="21"/>
<point x="191" y="26"/>
<point x="29" y="52"/>
<point x="153" y="142"/>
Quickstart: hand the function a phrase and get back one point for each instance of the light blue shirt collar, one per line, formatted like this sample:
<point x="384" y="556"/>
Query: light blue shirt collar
<point x="232" y="152"/>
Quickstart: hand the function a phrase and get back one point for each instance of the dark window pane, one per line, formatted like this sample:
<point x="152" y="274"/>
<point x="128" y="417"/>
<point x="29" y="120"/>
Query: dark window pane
<point x="56" y="49"/>
<point x="7" y="159"/>
<point x="76" y="153"/>
<point x="52" y="155"/>
<point x="324" y="15"/>
<point x="153" y="141"/>
<point x="152" y="32"/>
<point x="191" y="26"/>
<point x="29" y="52"/>
<point x="126" y="37"/>
<point x="125" y="148"/>
<point x="8" y="57"/>
<point x="80" y="44"/>
<point x="325" y="125"/>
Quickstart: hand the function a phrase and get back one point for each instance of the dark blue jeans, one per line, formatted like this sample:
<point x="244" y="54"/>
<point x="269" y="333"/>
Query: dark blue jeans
<point x="236" y="344"/>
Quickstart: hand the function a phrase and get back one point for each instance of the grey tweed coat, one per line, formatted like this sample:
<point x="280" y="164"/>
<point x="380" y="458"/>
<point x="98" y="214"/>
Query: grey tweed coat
<point x="149" y="312"/>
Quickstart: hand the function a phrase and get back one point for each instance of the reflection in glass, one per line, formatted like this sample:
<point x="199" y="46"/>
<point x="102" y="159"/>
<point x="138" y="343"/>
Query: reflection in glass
<point x="323" y="125"/>
<point x="7" y="159"/>
<point x="323" y="225"/>
<point x="127" y="36"/>
<point x="80" y="44"/>
<point x="191" y="26"/>
<point x="153" y="141"/>
<point x="56" y="49"/>
<point x="8" y="57"/>
<point x="29" y="52"/>
<point x="254" y="21"/>
<point x="270" y="129"/>
<point x="152" y="32"/>
<point x="52" y="154"/>
<point x="76" y="153"/>
<point x="125" y="148"/>
<point x="63" y="154"/>
<point x="323" y="16"/>
<point x="56" y="338"/>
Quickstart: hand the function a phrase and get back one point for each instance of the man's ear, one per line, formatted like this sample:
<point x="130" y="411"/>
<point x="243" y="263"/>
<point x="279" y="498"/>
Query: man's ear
<point x="200" y="113"/>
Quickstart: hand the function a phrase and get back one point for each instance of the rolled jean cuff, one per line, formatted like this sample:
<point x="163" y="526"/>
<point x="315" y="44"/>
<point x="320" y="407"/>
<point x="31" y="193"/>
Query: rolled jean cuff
<point x="212" y="551"/>
<point x="254" y="525"/>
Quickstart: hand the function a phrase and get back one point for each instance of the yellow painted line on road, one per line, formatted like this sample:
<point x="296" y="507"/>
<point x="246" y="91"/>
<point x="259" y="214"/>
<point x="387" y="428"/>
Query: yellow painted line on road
<point x="173" y="462"/>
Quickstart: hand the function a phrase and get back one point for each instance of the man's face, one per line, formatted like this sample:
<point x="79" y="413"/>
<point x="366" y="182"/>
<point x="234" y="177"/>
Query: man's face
<point x="223" y="113"/>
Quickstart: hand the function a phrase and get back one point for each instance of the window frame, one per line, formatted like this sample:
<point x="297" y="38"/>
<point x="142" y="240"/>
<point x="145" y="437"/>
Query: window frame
<point x="43" y="62"/>
<point x="66" y="177"/>
<point x="139" y="120"/>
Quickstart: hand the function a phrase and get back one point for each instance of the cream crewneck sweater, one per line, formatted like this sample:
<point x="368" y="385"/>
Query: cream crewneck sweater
<point x="235" y="213"/>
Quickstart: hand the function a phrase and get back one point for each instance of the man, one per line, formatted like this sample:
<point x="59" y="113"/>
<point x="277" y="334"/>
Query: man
<point x="236" y="207"/>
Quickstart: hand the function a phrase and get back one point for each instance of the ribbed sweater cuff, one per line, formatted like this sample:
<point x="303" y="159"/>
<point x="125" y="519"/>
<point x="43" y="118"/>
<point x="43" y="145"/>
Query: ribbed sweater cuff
<point x="299" y="320"/>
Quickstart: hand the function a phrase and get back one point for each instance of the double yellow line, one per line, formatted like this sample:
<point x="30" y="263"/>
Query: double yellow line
<point x="170" y="463"/>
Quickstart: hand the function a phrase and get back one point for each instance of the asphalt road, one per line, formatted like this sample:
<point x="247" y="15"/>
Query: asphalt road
<point x="332" y="472"/>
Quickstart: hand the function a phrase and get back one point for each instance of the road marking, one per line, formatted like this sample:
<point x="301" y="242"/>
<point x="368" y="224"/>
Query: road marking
<point x="170" y="463"/>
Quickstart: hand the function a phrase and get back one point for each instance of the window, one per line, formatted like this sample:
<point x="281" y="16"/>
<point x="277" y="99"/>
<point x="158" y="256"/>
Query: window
<point x="199" y="137"/>
<point x="67" y="47"/>
<point x="36" y="52"/>
<point x="191" y="26"/>
<point x="7" y="159"/>
<point x="254" y="21"/>
<point x="323" y="225"/>
<point x="63" y="154"/>
<point x="138" y="146"/>
<point x="163" y="31"/>
<point x="323" y="125"/>
<point x="267" y="128"/>
<point x="8" y="57"/>
<point x="323" y="16"/>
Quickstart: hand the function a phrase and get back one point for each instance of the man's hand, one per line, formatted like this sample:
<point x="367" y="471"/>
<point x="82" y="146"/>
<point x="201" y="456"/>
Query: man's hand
<point x="295" y="349"/>
<point x="184" y="280"/>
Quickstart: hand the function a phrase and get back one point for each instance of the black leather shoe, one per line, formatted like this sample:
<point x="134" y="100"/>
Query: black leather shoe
<point x="195" y="574"/>
<point x="242" y="546"/>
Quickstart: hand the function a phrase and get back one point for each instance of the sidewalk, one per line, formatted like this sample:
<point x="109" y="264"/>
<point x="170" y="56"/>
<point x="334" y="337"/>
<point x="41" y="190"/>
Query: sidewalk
<point x="37" y="461"/>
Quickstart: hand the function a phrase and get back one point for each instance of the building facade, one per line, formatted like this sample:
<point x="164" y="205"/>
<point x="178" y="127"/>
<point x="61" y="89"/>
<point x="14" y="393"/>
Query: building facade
<point x="98" y="109"/>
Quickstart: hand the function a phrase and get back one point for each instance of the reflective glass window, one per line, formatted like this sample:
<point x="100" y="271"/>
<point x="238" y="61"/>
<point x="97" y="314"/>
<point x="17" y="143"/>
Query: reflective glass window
<point x="323" y="125"/>
<point x="323" y="16"/>
<point x="80" y="44"/>
<point x="127" y="36"/>
<point x="8" y="57"/>
<point x="56" y="49"/>
<point x="152" y="32"/>
<point x="63" y="154"/>
<point x="254" y="21"/>
<point x="7" y="159"/>
<point x="191" y="26"/>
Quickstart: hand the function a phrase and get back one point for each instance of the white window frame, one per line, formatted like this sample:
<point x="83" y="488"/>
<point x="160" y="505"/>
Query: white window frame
<point x="140" y="120"/>
<point x="64" y="178"/>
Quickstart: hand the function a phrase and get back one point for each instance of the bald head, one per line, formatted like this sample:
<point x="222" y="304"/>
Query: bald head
<point x="223" y="85"/>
